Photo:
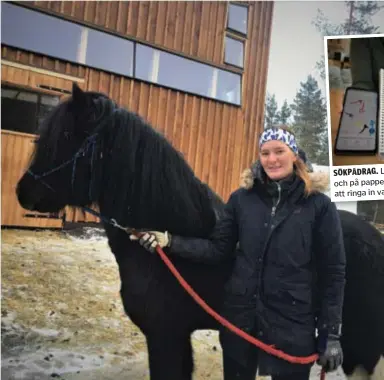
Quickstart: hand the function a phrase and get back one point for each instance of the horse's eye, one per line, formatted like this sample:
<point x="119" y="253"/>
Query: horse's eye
<point x="36" y="140"/>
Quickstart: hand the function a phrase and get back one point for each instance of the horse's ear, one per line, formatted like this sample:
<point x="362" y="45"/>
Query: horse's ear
<point x="78" y="95"/>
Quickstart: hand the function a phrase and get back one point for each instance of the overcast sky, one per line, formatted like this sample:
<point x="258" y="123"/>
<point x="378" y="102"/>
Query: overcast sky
<point x="296" y="45"/>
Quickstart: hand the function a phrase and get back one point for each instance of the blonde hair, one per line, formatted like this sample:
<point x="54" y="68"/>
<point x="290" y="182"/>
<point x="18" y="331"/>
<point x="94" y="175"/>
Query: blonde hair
<point x="299" y="165"/>
<point x="303" y="173"/>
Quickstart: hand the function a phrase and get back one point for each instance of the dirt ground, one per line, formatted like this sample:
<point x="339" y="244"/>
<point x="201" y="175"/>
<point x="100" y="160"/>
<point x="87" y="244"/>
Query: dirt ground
<point x="62" y="316"/>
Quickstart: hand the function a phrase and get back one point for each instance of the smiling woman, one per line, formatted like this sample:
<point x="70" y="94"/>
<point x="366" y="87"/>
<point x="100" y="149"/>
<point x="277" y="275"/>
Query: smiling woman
<point x="279" y="156"/>
<point x="284" y="225"/>
<point x="277" y="160"/>
<point x="276" y="157"/>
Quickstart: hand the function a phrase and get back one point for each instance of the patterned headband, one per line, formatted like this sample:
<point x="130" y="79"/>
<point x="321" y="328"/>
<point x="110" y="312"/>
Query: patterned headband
<point x="280" y="135"/>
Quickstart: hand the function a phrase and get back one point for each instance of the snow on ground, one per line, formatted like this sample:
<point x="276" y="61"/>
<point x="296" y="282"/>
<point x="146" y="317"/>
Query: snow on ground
<point x="62" y="316"/>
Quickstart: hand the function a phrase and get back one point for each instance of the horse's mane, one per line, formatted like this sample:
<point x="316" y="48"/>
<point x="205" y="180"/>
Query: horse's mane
<point x="364" y="238"/>
<point x="145" y="182"/>
<point x="145" y="173"/>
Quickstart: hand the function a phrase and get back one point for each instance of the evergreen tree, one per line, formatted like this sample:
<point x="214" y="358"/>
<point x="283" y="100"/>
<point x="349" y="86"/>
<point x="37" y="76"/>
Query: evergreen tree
<point x="284" y="114"/>
<point x="323" y="153"/>
<point x="271" y="111"/>
<point x="310" y="121"/>
<point x="359" y="21"/>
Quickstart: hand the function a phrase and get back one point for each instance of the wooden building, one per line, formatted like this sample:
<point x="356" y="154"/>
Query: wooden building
<point x="196" y="70"/>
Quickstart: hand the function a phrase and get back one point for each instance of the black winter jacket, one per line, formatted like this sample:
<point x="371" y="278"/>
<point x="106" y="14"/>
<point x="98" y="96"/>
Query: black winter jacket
<point x="289" y="271"/>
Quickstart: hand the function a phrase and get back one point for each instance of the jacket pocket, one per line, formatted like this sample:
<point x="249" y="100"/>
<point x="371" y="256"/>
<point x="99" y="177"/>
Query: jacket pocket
<point x="294" y="304"/>
<point x="299" y="305"/>
<point x="298" y="296"/>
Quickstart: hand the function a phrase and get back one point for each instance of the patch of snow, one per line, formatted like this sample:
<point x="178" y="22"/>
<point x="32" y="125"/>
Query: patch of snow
<point x="87" y="234"/>
<point x="46" y="332"/>
<point x="57" y="362"/>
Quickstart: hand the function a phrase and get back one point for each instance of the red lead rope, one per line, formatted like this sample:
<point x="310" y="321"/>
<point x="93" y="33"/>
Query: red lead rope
<point x="269" y="349"/>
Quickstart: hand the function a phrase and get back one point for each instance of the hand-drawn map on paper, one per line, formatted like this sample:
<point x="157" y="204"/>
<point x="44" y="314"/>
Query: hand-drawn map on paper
<point x="357" y="130"/>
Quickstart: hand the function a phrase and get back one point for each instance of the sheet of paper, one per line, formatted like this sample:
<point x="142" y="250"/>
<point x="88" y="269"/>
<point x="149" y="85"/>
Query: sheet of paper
<point x="357" y="131"/>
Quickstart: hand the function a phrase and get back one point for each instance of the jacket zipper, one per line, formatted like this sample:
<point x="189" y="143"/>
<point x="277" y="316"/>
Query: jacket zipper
<point x="273" y="212"/>
<point x="278" y="201"/>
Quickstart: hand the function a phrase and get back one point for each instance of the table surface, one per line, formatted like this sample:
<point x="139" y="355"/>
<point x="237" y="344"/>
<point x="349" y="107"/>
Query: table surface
<point x="336" y="99"/>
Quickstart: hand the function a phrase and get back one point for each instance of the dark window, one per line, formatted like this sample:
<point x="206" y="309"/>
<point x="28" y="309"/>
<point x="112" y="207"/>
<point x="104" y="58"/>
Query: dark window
<point x="183" y="74"/>
<point x="238" y="18"/>
<point x="23" y="111"/>
<point x="234" y="52"/>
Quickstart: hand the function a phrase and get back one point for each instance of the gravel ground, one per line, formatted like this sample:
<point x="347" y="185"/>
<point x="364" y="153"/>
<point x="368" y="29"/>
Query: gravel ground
<point x="62" y="316"/>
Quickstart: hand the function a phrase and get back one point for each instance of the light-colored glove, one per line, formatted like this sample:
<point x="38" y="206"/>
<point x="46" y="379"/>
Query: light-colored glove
<point x="151" y="239"/>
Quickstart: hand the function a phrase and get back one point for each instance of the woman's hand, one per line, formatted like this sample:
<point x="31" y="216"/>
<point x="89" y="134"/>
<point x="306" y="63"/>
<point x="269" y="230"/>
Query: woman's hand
<point x="151" y="239"/>
<point x="330" y="353"/>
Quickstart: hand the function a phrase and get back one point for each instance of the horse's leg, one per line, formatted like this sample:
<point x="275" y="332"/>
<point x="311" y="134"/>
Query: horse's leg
<point x="378" y="372"/>
<point x="170" y="356"/>
<point x="361" y="374"/>
<point x="369" y="366"/>
<point x="352" y="368"/>
<point x="358" y="374"/>
<point x="188" y="364"/>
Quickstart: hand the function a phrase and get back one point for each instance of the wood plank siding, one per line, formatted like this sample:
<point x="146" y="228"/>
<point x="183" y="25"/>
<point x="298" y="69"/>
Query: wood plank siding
<point x="16" y="150"/>
<point x="219" y="140"/>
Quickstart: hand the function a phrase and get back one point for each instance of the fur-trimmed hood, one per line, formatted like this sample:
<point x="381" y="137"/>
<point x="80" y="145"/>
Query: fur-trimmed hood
<point x="320" y="180"/>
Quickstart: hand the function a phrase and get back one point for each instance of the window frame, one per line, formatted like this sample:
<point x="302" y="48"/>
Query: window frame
<point x="236" y="38"/>
<point x="235" y="31"/>
<point x="39" y="94"/>
<point x="228" y="32"/>
<point x="210" y="97"/>
<point x="231" y="33"/>
<point x="232" y="69"/>
<point x="81" y="48"/>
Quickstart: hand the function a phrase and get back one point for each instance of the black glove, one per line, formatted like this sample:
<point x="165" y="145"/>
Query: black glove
<point x="330" y="352"/>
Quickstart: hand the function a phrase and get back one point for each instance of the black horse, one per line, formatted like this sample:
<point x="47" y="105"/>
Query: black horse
<point x="91" y="152"/>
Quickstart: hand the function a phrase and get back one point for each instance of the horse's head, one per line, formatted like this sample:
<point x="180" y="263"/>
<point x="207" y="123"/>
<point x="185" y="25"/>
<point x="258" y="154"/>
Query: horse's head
<point x="91" y="151"/>
<point x="61" y="172"/>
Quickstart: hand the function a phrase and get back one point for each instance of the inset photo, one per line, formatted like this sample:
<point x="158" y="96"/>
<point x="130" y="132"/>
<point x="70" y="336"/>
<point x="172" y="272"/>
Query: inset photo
<point x="355" y="99"/>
